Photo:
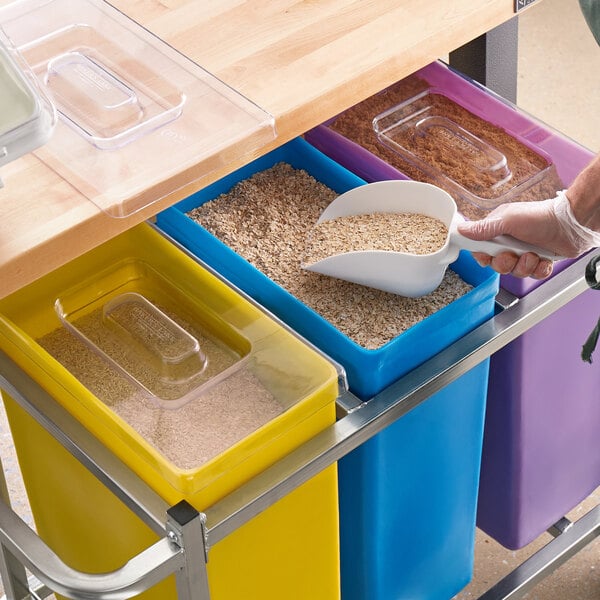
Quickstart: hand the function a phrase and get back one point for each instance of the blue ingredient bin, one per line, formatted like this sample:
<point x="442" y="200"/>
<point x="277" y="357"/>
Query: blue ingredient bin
<point x="408" y="495"/>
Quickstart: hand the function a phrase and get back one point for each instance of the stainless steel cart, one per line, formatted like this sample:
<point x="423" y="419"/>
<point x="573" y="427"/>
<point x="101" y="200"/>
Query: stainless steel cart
<point x="31" y="570"/>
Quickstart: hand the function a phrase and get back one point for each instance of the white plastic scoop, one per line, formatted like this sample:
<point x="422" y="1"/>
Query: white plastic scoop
<point x="405" y="274"/>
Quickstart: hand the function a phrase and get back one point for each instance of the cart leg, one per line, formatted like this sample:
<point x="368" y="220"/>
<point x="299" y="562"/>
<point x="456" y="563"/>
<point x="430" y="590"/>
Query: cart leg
<point x="12" y="572"/>
<point x="186" y="528"/>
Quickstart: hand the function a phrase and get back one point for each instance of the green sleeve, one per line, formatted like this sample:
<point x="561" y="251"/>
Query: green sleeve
<point x="591" y="12"/>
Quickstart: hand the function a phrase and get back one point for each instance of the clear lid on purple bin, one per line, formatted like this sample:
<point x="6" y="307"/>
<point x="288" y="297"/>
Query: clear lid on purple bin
<point x="424" y="132"/>
<point x="137" y="119"/>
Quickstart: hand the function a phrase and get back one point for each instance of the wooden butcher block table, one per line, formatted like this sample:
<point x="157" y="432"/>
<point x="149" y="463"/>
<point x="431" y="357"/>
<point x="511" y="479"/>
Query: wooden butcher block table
<point x="302" y="62"/>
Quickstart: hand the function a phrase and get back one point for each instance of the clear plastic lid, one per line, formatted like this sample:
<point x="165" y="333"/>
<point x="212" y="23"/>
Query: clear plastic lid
<point x="131" y="318"/>
<point x="425" y="132"/>
<point x="171" y="353"/>
<point x="27" y="118"/>
<point x="138" y="120"/>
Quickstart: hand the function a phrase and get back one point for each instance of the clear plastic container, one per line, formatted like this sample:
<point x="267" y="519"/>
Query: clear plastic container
<point x="423" y="131"/>
<point x="27" y="118"/>
<point x="138" y="119"/>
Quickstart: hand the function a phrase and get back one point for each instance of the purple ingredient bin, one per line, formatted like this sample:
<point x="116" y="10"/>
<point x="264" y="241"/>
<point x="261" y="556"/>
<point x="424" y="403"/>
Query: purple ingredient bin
<point x="540" y="452"/>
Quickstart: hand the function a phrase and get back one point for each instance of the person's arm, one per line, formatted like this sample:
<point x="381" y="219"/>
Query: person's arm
<point x="584" y="196"/>
<point x="567" y="225"/>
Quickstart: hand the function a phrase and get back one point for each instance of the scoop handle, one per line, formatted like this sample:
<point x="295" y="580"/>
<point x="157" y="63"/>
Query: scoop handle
<point x="501" y="243"/>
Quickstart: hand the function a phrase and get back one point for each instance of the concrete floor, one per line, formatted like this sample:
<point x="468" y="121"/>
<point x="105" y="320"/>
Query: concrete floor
<point x="558" y="71"/>
<point x="577" y="579"/>
<point x="559" y="63"/>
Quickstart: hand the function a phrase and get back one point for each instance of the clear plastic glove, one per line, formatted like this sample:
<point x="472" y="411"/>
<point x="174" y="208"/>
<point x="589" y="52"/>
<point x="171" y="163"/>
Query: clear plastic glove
<point x="549" y="224"/>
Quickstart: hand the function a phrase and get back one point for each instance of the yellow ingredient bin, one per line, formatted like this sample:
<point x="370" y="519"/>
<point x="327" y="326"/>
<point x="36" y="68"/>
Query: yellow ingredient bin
<point x="231" y="392"/>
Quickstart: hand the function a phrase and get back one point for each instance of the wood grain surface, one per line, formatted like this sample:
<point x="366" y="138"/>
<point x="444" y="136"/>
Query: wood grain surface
<point x="302" y="61"/>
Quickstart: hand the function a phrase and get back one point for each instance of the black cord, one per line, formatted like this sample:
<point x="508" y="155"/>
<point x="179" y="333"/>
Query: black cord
<point x="593" y="283"/>
<point x="590" y="273"/>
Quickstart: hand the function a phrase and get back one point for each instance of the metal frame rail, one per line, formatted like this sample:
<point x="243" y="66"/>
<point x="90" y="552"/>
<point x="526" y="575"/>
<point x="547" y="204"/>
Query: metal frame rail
<point x="30" y="570"/>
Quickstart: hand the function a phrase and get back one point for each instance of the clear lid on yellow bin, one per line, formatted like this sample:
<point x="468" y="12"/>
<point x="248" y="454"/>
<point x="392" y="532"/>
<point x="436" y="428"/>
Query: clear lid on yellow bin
<point x="27" y="118"/>
<point x="133" y="111"/>
<point x="136" y="321"/>
<point x="426" y="132"/>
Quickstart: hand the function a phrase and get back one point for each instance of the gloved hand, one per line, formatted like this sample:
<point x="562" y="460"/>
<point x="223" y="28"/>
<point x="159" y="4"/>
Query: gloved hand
<point x="549" y="224"/>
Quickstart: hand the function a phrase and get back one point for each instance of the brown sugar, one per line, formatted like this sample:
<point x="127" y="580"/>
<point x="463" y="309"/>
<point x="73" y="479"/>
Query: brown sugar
<point x="524" y="164"/>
